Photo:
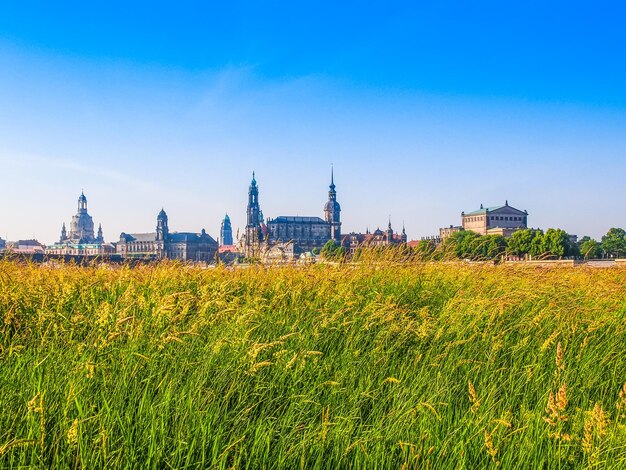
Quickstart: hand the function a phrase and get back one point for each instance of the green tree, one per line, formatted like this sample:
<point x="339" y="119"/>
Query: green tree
<point x="333" y="251"/>
<point x="614" y="242"/>
<point x="497" y="246"/>
<point x="589" y="248"/>
<point x="462" y="243"/>
<point x="556" y="243"/>
<point x="537" y="245"/>
<point x="521" y="242"/>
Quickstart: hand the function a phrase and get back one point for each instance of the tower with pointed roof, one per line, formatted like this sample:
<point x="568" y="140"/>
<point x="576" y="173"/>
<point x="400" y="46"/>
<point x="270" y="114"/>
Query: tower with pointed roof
<point x="389" y="232"/>
<point x="63" y="234"/>
<point x="332" y="210"/>
<point x="226" y="231"/>
<point x="253" y="235"/>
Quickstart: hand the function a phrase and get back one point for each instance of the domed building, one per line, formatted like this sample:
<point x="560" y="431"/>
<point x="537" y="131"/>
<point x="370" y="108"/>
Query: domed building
<point x="81" y="226"/>
<point x="81" y="239"/>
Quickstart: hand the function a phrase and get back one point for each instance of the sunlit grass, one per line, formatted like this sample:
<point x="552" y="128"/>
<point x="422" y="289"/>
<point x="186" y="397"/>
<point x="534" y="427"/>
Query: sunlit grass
<point x="376" y="365"/>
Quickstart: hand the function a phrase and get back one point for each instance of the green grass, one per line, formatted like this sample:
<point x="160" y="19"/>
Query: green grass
<point x="343" y="366"/>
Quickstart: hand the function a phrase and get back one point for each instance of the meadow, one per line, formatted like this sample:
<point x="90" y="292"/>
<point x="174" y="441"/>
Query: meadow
<point x="375" y="365"/>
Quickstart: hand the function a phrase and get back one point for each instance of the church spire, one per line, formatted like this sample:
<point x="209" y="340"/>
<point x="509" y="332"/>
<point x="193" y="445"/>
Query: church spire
<point x="332" y="210"/>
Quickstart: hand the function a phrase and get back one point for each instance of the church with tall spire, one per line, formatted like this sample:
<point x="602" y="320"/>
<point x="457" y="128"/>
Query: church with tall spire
<point x="288" y="236"/>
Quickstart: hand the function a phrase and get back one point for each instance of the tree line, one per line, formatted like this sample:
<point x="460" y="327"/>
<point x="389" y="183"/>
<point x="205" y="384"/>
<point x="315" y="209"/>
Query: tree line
<point x="529" y="243"/>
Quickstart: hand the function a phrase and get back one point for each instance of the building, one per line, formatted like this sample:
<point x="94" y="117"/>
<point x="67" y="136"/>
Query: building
<point x="160" y="244"/>
<point x="499" y="220"/>
<point x="81" y="226"/>
<point x="81" y="249"/>
<point x="3" y="244"/>
<point x="445" y="232"/>
<point x="25" y="247"/>
<point x="226" y="232"/>
<point x="289" y="236"/>
<point x="353" y="241"/>
<point x="81" y="239"/>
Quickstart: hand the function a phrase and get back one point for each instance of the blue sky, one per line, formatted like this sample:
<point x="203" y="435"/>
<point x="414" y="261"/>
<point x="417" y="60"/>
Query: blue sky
<point x="424" y="110"/>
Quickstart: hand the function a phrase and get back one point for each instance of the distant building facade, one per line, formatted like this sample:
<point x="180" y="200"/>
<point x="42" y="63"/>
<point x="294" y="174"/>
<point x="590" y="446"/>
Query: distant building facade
<point x="445" y="232"/>
<point x="26" y="247"/>
<point x="499" y="220"/>
<point x="353" y="241"/>
<point x="226" y="232"/>
<point x="161" y="244"/>
<point x="80" y="249"/>
<point x="289" y="236"/>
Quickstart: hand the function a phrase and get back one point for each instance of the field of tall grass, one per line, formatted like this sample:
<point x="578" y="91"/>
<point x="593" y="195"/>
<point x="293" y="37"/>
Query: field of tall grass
<point x="375" y="365"/>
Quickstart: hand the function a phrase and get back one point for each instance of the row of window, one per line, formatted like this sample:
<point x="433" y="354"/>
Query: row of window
<point x="503" y="217"/>
<point x="496" y="217"/>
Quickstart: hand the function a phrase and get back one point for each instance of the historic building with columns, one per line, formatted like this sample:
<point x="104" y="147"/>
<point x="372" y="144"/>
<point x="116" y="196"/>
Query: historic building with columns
<point x="498" y="220"/>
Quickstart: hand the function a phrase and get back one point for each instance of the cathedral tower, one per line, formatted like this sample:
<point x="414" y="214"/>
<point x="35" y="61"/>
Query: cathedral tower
<point x="253" y="224"/>
<point x="332" y="211"/>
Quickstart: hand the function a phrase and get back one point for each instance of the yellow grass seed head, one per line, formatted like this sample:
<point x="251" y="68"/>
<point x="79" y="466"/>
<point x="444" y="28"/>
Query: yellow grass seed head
<point x="35" y="405"/>
<point x="491" y="449"/>
<point x="560" y="364"/>
<point x="561" y="398"/>
<point x="72" y="433"/>
<point x="392" y="380"/>
<point x="260" y="365"/>
<point x="473" y="397"/>
<point x="555" y="408"/>
<point x="549" y="341"/>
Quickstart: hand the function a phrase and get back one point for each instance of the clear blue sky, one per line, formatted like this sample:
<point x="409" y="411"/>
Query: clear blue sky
<point x="424" y="110"/>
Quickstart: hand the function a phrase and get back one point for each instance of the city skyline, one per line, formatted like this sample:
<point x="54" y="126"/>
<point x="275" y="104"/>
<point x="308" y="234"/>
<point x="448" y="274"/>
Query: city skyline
<point x="175" y="108"/>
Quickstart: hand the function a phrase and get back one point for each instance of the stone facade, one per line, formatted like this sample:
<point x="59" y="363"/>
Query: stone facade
<point x="289" y="235"/>
<point x="80" y="249"/>
<point x="184" y="246"/>
<point x="27" y="247"/>
<point x="499" y="220"/>
<point x="445" y="232"/>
